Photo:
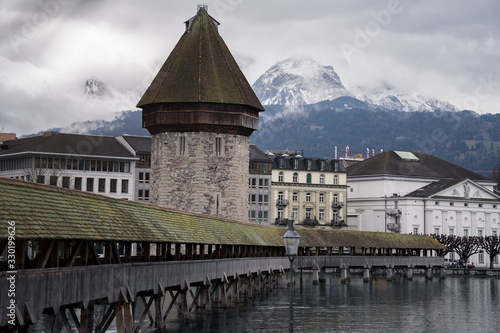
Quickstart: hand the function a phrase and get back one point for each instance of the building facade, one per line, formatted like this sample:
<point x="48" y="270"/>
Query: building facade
<point x="413" y="192"/>
<point x="141" y="147"/>
<point x="201" y="111"/>
<point x="309" y="191"/>
<point x="259" y="187"/>
<point x="88" y="163"/>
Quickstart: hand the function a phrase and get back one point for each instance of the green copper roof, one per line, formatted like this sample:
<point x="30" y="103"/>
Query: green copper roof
<point x="200" y="69"/>
<point x="49" y="212"/>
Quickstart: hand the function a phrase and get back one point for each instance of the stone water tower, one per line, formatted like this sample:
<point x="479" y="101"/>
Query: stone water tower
<point x="201" y="111"/>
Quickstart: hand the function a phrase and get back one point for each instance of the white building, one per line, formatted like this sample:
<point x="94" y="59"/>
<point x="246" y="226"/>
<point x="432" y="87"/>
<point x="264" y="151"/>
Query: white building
<point x="421" y="194"/>
<point x="91" y="163"/>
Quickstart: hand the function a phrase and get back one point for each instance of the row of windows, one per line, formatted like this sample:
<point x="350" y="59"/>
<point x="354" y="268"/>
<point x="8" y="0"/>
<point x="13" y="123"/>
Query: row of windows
<point x="143" y="195"/>
<point x="321" y="197"/>
<point x="259" y="167"/>
<point x="263" y="183"/>
<point x="78" y="183"/>
<point x="295" y="162"/>
<point x="309" y="214"/>
<point x="258" y="214"/>
<point x="16" y="164"/>
<point x="81" y="164"/>
<point x="144" y="161"/>
<point x="466" y="204"/>
<point x="295" y="178"/>
<point x="262" y="199"/>
<point x="144" y="177"/>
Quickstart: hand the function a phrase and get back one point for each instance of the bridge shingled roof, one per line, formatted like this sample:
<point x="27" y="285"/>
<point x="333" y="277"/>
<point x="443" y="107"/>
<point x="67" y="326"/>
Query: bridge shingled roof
<point x="49" y="212"/>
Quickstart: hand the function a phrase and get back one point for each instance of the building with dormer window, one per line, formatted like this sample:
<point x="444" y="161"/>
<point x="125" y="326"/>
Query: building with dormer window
<point x="414" y="192"/>
<point x="311" y="191"/>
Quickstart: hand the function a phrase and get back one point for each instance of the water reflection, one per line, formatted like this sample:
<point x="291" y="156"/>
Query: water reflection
<point x="456" y="304"/>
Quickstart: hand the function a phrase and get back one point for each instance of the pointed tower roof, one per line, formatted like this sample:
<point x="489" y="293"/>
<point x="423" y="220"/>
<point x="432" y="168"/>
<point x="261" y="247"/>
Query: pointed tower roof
<point x="200" y="69"/>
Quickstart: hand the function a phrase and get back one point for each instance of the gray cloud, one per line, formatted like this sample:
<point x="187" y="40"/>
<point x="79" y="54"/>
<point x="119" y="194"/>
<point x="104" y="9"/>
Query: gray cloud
<point x="48" y="48"/>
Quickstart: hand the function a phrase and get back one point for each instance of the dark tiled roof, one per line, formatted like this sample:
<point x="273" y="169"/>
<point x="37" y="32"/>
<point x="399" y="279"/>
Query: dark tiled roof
<point x="200" y="69"/>
<point x="48" y="212"/>
<point x="257" y="155"/>
<point x="288" y="163"/>
<point x="141" y="144"/>
<point x="62" y="143"/>
<point x="428" y="166"/>
<point x="434" y="188"/>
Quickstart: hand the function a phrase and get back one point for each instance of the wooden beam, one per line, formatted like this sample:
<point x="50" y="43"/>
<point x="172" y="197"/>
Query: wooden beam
<point x="93" y="253"/>
<point x="46" y="253"/>
<point x="74" y="252"/>
<point x="116" y="254"/>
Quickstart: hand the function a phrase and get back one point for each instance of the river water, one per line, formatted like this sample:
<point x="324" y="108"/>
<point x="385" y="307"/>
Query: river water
<point x="455" y="304"/>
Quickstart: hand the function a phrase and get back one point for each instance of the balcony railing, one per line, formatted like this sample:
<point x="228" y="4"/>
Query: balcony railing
<point x="337" y="204"/>
<point x="281" y="221"/>
<point x="393" y="212"/>
<point x="338" y="223"/>
<point x="282" y="202"/>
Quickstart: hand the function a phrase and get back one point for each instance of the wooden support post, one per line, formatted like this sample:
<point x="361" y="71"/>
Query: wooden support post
<point x="128" y="252"/>
<point x="177" y="252"/>
<point x="390" y="273"/>
<point x="409" y="273"/>
<point x="20" y="245"/>
<point x="146" y="251"/>
<point x="315" y="278"/>
<point x="344" y="274"/>
<point x="159" y="323"/>
<point x="322" y="275"/>
<point x="183" y="302"/>
<point x="129" y="317"/>
<point x="74" y="252"/>
<point x="120" y="323"/>
<point x="87" y="320"/>
<point x="115" y="253"/>
<point x="367" y="273"/>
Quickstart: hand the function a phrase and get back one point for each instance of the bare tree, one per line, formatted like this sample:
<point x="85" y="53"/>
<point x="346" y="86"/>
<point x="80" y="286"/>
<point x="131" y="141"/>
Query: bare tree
<point x="491" y="245"/>
<point x="466" y="246"/>
<point x="449" y="241"/>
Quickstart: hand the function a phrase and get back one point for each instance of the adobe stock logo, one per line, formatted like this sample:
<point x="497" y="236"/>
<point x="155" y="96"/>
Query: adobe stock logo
<point x="372" y="29"/>
<point x="34" y="23"/>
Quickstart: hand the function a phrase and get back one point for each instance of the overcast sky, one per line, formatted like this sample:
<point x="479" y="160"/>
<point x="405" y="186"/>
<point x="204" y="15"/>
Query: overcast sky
<point x="448" y="49"/>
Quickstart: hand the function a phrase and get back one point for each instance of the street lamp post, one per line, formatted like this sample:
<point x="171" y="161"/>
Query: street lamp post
<point x="291" y="239"/>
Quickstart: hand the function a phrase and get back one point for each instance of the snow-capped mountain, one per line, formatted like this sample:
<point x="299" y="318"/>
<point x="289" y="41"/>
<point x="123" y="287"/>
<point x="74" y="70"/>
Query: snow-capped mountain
<point x="386" y="97"/>
<point x="94" y="87"/>
<point x="299" y="81"/>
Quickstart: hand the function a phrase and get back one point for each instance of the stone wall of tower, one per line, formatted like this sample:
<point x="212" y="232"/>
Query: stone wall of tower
<point x="189" y="172"/>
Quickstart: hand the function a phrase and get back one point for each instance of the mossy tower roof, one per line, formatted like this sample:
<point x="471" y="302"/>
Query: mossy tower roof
<point x="200" y="69"/>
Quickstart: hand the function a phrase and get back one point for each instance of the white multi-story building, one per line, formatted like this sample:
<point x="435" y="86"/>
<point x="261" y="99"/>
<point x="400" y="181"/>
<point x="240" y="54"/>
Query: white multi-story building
<point x="90" y="163"/>
<point x="308" y="190"/>
<point x="259" y="187"/>
<point x="413" y="192"/>
<point x="140" y="146"/>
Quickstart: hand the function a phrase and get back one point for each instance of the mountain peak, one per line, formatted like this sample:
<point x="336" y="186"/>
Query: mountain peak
<point x="94" y="87"/>
<point x="299" y="81"/>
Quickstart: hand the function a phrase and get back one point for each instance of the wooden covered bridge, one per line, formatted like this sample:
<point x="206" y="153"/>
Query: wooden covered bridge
<point x="68" y="254"/>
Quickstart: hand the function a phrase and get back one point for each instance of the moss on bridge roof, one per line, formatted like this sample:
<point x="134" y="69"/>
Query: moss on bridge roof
<point x="49" y="212"/>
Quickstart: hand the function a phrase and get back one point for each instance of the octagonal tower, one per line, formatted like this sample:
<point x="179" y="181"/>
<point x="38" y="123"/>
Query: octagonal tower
<point x="201" y="111"/>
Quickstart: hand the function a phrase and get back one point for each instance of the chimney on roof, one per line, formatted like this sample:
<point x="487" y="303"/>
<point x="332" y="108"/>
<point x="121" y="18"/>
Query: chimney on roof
<point x="7" y="136"/>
